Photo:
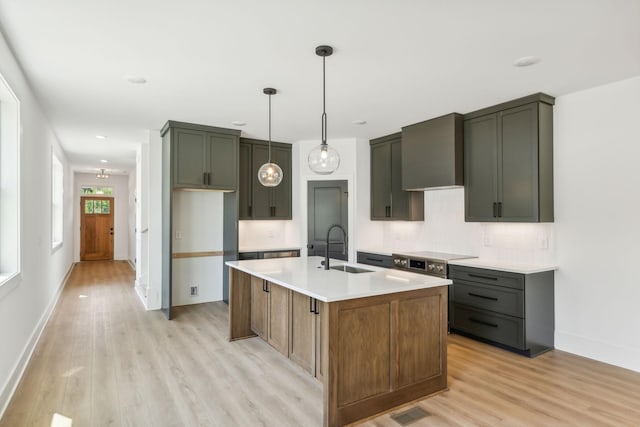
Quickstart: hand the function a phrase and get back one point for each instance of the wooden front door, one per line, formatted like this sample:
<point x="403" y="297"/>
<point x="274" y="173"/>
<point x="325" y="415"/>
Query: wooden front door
<point x="96" y="228"/>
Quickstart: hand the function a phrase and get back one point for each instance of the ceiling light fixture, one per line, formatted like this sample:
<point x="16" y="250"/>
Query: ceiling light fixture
<point x="101" y="137"/>
<point x="526" y="61"/>
<point x="104" y="161"/>
<point x="359" y="122"/>
<point x="323" y="159"/>
<point x="238" y="123"/>
<point x="136" y="80"/>
<point x="270" y="174"/>
<point x="102" y="174"/>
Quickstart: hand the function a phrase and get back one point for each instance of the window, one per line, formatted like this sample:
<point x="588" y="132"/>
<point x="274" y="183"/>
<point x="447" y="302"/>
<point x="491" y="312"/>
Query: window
<point x="57" y="201"/>
<point x="9" y="188"/>
<point x="98" y="191"/>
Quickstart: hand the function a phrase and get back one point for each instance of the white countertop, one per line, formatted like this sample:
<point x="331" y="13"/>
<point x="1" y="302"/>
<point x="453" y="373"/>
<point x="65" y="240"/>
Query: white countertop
<point x="502" y="265"/>
<point x="285" y="248"/>
<point x="303" y="275"/>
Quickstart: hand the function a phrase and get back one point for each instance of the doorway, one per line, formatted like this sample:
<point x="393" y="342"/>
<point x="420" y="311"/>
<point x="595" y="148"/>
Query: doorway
<point x="96" y="228"/>
<point x="327" y="205"/>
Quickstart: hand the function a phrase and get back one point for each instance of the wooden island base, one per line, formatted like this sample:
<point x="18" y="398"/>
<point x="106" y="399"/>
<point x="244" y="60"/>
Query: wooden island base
<point x="372" y="354"/>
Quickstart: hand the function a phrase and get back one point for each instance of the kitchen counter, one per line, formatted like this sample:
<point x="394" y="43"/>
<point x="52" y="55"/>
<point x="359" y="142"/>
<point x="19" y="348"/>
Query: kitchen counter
<point x="503" y="266"/>
<point x="277" y="249"/>
<point x="375" y="340"/>
<point x="304" y="275"/>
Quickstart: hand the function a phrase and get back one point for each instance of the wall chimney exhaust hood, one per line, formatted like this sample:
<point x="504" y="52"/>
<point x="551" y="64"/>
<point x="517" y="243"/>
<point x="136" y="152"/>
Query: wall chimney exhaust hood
<point x="432" y="154"/>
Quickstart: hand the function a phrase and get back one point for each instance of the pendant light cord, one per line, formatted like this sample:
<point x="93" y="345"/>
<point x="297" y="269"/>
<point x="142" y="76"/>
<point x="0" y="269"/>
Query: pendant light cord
<point x="324" y="103"/>
<point x="269" y="128"/>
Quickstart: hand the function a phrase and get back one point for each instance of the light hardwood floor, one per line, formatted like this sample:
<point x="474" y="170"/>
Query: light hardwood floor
<point x="103" y="360"/>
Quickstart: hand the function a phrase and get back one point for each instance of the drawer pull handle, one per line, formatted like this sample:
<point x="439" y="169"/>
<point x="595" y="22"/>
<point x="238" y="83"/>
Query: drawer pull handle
<point x="482" y="322"/>
<point x="471" y="294"/>
<point x="374" y="260"/>
<point x="478" y="276"/>
<point x="311" y="309"/>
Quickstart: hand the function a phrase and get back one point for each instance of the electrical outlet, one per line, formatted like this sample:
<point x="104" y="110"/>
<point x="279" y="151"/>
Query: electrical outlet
<point x="193" y="291"/>
<point x="544" y="242"/>
<point x="178" y="235"/>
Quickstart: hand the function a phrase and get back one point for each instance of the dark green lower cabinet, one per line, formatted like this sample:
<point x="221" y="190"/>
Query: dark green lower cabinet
<point x="511" y="310"/>
<point x="255" y="200"/>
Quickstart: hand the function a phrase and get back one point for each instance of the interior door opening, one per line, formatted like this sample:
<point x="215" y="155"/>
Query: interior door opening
<point x="327" y="205"/>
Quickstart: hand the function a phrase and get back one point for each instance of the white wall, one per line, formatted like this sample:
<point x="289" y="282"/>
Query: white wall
<point x="197" y="227"/>
<point x="131" y="219"/>
<point x="154" y="176"/>
<point x="597" y="208"/>
<point x="25" y="309"/>
<point x="444" y="230"/>
<point x="120" y="184"/>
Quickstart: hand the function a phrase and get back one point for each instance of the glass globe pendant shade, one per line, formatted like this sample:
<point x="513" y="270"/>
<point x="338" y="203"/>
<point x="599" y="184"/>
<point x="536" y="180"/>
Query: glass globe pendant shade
<point x="270" y="175"/>
<point x="324" y="160"/>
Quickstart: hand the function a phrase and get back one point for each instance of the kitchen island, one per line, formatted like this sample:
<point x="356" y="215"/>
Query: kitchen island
<point x="375" y="339"/>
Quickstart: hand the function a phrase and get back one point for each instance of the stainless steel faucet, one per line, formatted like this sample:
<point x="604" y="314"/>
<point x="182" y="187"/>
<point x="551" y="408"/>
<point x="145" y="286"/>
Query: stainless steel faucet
<point x="326" y="248"/>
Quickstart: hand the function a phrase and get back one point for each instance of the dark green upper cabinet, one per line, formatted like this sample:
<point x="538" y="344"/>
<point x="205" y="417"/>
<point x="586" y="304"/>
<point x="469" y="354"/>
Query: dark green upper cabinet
<point x="432" y="154"/>
<point x="388" y="200"/>
<point x="508" y="162"/>
<point x="204" y="157"/>
<point x="255" y="200"/>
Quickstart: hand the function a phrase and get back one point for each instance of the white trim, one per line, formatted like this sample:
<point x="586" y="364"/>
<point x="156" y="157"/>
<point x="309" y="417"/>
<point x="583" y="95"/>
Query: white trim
<point x="9" y="283"/>
<point x="9" y="388"/>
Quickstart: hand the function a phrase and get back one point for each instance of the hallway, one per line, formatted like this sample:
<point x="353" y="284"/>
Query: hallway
<point x="104" y="360"/>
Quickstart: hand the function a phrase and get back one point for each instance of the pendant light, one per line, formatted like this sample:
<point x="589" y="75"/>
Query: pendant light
<point x="323" y="159"/>
<point x="102" y="174"/>
<point x="270" y="174"/>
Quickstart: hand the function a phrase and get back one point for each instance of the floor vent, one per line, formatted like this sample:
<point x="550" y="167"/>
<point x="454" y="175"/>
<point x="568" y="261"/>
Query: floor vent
<point x="409" y="416"/>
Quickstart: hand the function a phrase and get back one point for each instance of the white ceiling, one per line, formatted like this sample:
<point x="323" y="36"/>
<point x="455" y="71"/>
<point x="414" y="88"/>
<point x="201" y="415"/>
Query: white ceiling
<point x="396" y="62"/>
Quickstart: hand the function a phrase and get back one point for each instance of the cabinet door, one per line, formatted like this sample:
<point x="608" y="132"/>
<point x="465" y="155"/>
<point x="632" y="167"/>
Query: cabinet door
<point x="281" y="195"/>
<point x="258" y="307"/>
<point x="261" y="204"/>
<point x="302" y="331"/>
<point x="481" y="168"/>
<point x="518" y="158"/>
<point x="381" y="181"/>
<point x="245" y="182"/>
<point x="190" y="159"/>
<point x="278" y="318"/>
<point x="223" y="166"/>
<point x="321" y="341"/>
<point x="399" y="197"/>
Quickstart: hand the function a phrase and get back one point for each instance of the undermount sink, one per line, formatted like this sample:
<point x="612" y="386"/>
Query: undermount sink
<point x="350" y="269"/>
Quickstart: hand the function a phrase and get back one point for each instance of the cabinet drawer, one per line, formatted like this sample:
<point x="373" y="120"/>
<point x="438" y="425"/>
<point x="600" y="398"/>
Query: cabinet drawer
<point x="494" y="298"/>
<point x="495" y="327"/>
<point x="375" y="259"/>
<point x="488" y="277"/>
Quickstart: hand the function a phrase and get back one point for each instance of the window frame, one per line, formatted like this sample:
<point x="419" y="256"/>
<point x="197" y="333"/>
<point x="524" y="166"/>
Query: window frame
<point x="10" y="191"/>
<point x="57" y="201"/>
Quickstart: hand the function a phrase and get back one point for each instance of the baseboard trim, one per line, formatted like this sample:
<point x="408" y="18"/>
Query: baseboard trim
<point x="131" y="263"/>
<point x="143" y="298"/>
<point x="11" y="385"/>
<point x="606" y="352"/>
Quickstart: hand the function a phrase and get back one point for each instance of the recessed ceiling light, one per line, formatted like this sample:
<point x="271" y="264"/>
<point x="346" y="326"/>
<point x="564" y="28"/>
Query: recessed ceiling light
<point x="101" y="137"/>
<point x="103" y="161"/>
<point x="137" y="80"/>
<point x="238" y="123"/>
<point x="359" y="122"/>
<point x="526" y="61"/>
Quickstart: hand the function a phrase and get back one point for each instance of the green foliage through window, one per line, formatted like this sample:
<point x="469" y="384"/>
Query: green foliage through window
<point x="106" y="191"/>
<point x="97" y="206"/>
